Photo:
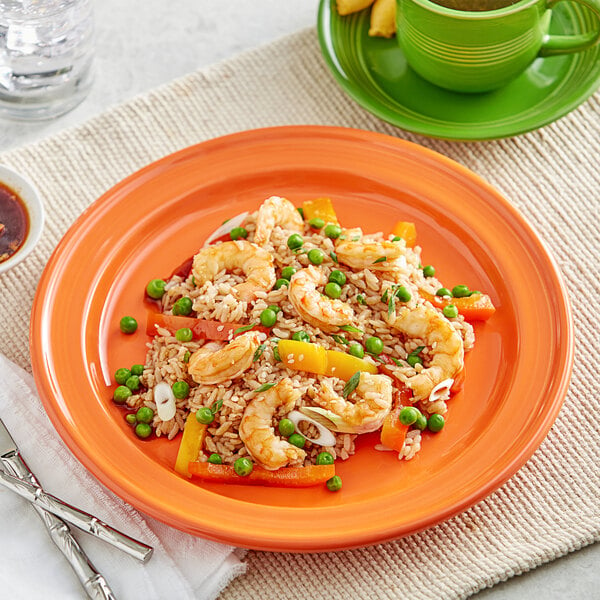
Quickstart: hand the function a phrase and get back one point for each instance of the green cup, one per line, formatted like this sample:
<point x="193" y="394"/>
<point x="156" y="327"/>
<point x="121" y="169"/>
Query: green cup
<point x="478" y="51"/>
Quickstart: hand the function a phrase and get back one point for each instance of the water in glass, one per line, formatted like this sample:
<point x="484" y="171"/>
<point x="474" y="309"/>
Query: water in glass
<point x="46" y="49"/>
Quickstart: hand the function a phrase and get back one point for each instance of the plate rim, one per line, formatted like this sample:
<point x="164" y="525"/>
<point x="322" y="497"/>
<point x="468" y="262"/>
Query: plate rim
<point x="367" y="537"/>
<point x="462" y="133"/>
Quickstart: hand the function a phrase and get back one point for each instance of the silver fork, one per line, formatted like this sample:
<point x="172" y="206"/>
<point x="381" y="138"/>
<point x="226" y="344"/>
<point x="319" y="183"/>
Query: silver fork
<point x="92" y="581"/>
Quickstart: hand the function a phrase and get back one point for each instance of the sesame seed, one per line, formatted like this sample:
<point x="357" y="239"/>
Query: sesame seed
<point x="301" y="358"/>
<point x="220" y="327"/>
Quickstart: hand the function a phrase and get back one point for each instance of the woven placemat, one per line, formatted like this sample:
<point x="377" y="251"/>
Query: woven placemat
<point x="550" y="507"/>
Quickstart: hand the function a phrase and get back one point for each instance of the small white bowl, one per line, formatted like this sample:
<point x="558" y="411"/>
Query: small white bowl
<point x="35" y="209"/>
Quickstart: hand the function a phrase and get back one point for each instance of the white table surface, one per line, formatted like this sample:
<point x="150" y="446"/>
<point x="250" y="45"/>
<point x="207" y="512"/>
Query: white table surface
<point x="138" y="50"/>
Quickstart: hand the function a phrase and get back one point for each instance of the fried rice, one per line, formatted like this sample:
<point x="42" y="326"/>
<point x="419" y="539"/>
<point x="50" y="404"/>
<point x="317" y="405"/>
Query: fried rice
<point x="216" y="300"/>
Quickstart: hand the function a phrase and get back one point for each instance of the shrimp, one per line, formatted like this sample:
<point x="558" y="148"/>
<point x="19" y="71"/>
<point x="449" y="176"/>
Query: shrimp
<point x="374" y="402"/>
<point x="216" y="363"/>
<point x="257" y="433"/>
<point x="276" y="211"/>
<point x="370" y="255"/>
<point x="426" y="323"/>
<point x="316" y="309"/>
<point x="255" y="262"/>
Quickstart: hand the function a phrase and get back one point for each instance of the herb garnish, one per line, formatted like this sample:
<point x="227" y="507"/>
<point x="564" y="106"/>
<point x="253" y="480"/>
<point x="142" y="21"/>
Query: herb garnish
<point x="380" y="260"/>
<point x="351" y="329"/>
<point x="334" y="257"/>
<point x="340" y="339"/>
<point x="258" y="352"/>
<point x="264" y="387"/>
<point x="351" y="384"/>
<point x="244" y="328"/>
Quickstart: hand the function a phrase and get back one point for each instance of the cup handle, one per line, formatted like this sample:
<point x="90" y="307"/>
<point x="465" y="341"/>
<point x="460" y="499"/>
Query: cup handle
<point x="568" y="44"/>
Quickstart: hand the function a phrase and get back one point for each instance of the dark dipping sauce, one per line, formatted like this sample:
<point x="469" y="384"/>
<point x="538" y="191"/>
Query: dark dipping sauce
<point x="14" y="222"/>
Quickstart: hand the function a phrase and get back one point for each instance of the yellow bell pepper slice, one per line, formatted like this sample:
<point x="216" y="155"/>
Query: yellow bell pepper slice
<point x="342" y="365"/>
<point x="303" y="356"/>
<point x="191" y="444"/>
<point x="407" y="231"/>
<point x="306" y="356"/>
<point x="321" y="208"/>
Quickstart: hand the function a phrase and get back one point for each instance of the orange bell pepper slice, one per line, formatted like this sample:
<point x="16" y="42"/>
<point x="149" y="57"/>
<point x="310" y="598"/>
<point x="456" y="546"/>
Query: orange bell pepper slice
<point x="321" y="208"/>
<point x="191" y="444"/>
<point x="201" y="328"/>
<point x="407" y="231"/>
<point x="477" y="307"/>
<point x="393" y="433"/>
<point x="289" y="477"/>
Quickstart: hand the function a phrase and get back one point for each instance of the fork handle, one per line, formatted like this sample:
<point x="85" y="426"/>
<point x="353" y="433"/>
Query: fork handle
<point x="92" y="581"/>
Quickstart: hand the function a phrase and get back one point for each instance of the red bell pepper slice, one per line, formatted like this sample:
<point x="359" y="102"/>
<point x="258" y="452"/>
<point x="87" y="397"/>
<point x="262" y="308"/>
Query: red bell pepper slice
<point x="290" y="477"/>
<point x="201" y="328"/>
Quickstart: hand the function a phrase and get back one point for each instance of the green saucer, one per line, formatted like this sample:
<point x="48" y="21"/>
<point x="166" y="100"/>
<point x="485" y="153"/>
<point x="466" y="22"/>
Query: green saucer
<point x="373" y="71"/>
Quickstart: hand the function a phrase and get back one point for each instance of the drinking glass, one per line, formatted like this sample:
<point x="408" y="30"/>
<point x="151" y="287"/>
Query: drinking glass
<point x="46" y="51"/>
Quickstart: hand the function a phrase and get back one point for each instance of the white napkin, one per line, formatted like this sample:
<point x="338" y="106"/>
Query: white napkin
<point x="182" y="566"/>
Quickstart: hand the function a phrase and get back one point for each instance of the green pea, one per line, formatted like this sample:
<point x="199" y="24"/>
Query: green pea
<point x="144" y="414"/>
<point x="183" y="306"/>
<point x="297" y="440"/>
<point x="403" y="294"/>
<point x="205" y="415"/>
<point x="413" y="360"/>
<point x="333" y="231"/>
<point x="421" y="422"/>
<point x="428" y="271"/>
<point x="137" y="370"/>
<point x="361" y="299"/>
<point x="122" y="375"/>
<point x="130" y="418"/>
<point x="128" y="325"/>
<point x="184" y="335"/>
<point x="274" y="308"/>
<point x="180" y="389"/>
<point x="356" y="350"/>
<point x="334" y="484"/>
<point x="238" y="233"/>
<point x="443" y="292"/>
<point x="408" y="415"/>
<point x="316" y="256"/>
<point x="121" y="394"/>
<point x="156" y="288"/>
<point x="316" y="223"/>
<point x="396" y="238"/>
<point x="186" y="357"/>
<point x="324" y="458"/>
<point x="280" y="283"/>
<point x="333" y="290"/>
<point x="143" y="430"/>
<point x="435" y="423"/>
<point x="287" y="272"/>
<point x="374" y="345"/>
<point x="337" y="276"/>
<point x="450" y="311"/>
<point x="301" y="336"/>
<point x="268" y="317"/>
<point x="243" y="466"/>
<point x="286" y="427"/>
<point x="133" y="383"/>
<point x="215" y="459"/>
<point x="295" y="241"/>
<point x="460" y="291"/>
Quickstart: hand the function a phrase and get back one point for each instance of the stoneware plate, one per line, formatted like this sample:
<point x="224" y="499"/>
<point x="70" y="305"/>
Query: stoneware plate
<point x="516" y="377"/>
<point x="373" y="71"/>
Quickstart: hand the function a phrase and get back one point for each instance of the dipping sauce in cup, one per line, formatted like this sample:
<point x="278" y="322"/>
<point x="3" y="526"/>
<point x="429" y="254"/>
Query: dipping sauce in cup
<point x="14" y="222"/>
<point x="21" y="218"/>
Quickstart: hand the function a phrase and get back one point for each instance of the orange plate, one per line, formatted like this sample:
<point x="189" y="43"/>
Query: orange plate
<point x="517" y="375"/>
